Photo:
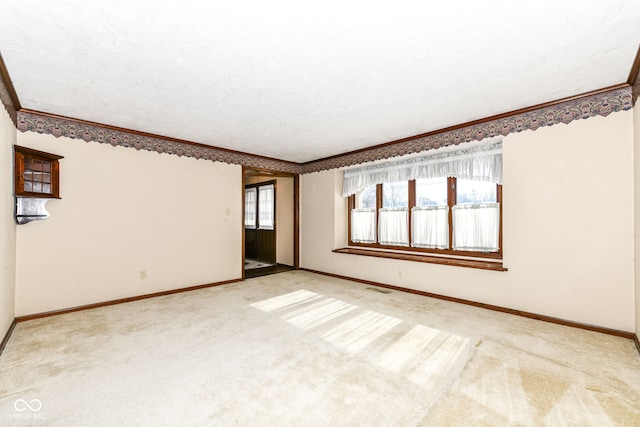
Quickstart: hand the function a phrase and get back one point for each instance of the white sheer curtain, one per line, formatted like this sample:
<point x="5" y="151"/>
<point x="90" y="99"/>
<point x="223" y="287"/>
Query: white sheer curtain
<point x="363" y="225"/>
<point x="250" y="207"/>
<point x="476" y="227"/>
<point x="481" y="162"/>
<point x="430" y="227"/>
<point x="393" y="227"/>
<point x="266" y="208"/>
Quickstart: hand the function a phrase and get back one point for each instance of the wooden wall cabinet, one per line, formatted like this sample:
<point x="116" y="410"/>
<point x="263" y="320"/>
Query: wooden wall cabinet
<point x="37" y="180"/>
<point x="37" y="173"/>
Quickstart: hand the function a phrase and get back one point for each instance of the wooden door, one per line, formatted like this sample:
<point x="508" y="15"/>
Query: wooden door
<point x="266" y="246"/>
<point x="251" y="243"/>
<point x="260" y="226"/>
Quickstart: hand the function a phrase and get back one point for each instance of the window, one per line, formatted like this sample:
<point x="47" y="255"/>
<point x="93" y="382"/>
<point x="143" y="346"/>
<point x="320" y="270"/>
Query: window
<point x="447" y="201"/>
<point x="476" y="216"/>
<point x="393" y="228"/>
<point x="259" y="206"/>
<point x="250" y="207"/>
<point x="36" y="173"/>
<point x="430" y="215"/>
<point x="441" y="215"/>
<point x="363" y="216"/>
<point x="266" y="207"/>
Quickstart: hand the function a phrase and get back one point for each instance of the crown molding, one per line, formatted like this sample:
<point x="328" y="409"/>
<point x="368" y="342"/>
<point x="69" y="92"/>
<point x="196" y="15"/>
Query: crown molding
<point x="8" y="95"/>
<point x="60" y="126"/>
<point x="601" y="102"/>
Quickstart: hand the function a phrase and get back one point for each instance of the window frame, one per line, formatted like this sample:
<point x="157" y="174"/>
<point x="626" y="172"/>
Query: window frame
<point x="451" y="201"/>
<point x="257" y="204"/>
<point x="254" y="206"/>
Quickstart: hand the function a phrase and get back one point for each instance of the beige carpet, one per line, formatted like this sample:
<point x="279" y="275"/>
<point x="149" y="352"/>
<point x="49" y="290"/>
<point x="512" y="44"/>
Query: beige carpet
<point x="302" y="349"/>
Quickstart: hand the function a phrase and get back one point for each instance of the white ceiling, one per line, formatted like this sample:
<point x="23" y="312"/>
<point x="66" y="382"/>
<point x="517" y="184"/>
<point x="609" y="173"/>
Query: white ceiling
<point x="300" y="81"/>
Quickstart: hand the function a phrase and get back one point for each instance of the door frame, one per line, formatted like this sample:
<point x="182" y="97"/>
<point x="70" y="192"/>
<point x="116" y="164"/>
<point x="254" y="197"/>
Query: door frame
<point x="296" y="210"/>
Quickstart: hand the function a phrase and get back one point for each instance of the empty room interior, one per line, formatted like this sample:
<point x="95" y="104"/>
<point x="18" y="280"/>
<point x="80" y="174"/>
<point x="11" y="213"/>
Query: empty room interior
<point x="355" y="213"/>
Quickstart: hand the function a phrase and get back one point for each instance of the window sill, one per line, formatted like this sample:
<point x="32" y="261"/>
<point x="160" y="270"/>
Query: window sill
<point x="458" y="262"/>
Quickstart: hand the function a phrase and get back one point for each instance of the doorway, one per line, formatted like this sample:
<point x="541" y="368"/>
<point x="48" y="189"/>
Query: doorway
<point x="270" y="229"/>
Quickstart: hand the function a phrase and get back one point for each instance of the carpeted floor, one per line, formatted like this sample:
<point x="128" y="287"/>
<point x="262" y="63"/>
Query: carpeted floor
<point x="301" y="349"/>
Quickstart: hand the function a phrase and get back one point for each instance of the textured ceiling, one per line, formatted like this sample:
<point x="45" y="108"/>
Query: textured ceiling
<point x="300" y="81"/>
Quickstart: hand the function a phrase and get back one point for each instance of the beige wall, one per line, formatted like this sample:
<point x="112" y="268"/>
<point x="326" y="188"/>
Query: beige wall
<point x="123" y="211"/>
<point x="7" y="223"/>
<point x="636" y="145"/>
<point x="284" y="216"/>
<point x="568" y="229"/>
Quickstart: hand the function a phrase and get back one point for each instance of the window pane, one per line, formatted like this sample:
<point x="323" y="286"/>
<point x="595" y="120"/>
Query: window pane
<point x="474" y="192"/>
<point x="363" y="216"/>
<point x="430" y="227"/>
<point x="363" y="225"/>
<point x="476" y="227"/>
<point x="250" y="207"/>
<point x="266" y="217"/>
<point x="29" y="164"/>
<point x="394" y="227"/>
<point x="367" y="198"/>
<point x="395" y="194"/>
<point x="431" y="192"/>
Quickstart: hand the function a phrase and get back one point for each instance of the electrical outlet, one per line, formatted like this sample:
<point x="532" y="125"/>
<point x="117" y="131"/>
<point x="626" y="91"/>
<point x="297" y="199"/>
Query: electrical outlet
<point x="143" y="274"/>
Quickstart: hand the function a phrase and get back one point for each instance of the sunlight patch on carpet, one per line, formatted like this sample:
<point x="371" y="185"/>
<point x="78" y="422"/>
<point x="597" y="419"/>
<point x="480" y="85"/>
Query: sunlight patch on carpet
<point x="318" y="313"/>
<point x="286" y="301"/>
<point x="357" y="333"/>
<point x="425" y="356"/>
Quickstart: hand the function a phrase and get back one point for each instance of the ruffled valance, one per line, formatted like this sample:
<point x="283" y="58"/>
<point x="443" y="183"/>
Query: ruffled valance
<point x="481" y="162"/>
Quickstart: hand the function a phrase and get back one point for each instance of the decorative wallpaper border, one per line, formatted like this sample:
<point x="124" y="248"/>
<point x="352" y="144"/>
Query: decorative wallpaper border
<point x="601" y="104"/>
<point x="5" y="98"/>
<point x="59" y="127"/>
